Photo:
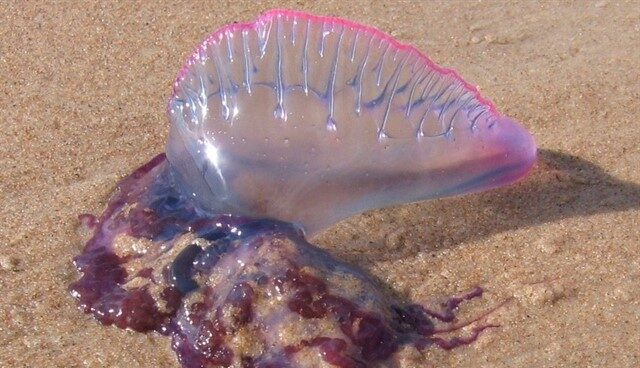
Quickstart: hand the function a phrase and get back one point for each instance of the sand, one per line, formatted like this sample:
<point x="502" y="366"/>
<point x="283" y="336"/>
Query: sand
<point x="83" y="97"/>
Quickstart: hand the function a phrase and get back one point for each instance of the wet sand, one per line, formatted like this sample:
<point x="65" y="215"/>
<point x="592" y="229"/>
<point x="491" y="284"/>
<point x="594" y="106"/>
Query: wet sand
<point x="83" y="99"/>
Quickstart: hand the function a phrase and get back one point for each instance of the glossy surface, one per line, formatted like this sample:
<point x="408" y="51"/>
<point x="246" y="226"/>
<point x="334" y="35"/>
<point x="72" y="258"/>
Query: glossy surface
<point x="311" y="119"/>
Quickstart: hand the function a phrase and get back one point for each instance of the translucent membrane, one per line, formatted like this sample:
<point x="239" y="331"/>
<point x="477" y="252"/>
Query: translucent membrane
<point x="311" y="119"/>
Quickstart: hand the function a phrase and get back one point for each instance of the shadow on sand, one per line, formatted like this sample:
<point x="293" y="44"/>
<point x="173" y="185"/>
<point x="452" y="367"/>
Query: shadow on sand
<point x="561" y="186"/>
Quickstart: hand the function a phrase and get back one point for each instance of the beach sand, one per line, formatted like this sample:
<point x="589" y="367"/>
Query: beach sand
<point x="83" y="98"/>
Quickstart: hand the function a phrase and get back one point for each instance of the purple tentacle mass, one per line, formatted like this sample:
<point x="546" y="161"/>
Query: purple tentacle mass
<point x="233" y="291"/>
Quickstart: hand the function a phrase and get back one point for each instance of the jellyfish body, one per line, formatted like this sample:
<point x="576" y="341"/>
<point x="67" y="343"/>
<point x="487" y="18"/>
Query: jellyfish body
<point x="280" y="128"/>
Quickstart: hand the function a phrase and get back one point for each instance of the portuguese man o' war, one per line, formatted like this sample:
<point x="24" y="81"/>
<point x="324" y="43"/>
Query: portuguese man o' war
<point x="280" y="128"/>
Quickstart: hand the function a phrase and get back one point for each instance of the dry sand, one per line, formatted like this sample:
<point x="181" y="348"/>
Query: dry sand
<point x="83" y="96"/>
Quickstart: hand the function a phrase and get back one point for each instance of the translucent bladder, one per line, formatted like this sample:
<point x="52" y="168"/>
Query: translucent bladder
<point x="311" y="119"/>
